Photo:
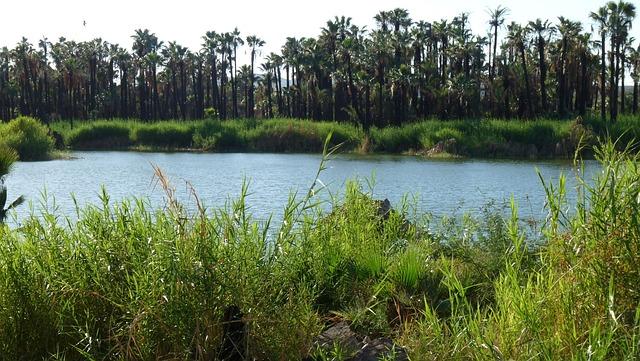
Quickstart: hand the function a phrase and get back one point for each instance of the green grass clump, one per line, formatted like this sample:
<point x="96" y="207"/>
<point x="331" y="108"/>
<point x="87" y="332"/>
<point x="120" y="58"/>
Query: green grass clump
<point x="286" y="135"/>
<point x="163" y="135"/>
<point x="100" y="134"/>
<point x="215" y="135"/>
<point x="28" y="137"/>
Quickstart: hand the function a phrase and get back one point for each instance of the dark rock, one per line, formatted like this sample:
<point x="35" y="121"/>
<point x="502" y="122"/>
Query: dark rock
<point x="384" y="208"/>
<point x="342" y="335"/>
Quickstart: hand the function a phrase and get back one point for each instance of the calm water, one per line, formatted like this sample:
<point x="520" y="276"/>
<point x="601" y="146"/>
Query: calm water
<point x="438" y="187"/>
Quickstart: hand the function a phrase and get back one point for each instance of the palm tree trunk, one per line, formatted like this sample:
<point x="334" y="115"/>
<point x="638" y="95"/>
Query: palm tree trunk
<point x="543" y="74"/>
<point x="603" y="79"/>
<point x="523" y="59"/>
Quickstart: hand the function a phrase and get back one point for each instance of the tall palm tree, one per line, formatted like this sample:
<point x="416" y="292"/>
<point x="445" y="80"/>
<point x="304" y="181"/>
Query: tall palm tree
<point x="601" y="17"/>
<point x="621" y="15"/>
<point x="266" y="68"/>
<point x="236" y="41"/>
<point x="497" y="18"/>
<point x="517" y="35"/>
<point x="568" y="30"/>
<point x="542" y="29"/>
<point x="634" y="61"/>
<point x="254" y="43"/>
<point x="211" y="44"/>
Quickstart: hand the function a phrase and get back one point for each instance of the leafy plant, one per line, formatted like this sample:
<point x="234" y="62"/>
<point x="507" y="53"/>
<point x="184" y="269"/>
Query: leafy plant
<point x="28" y="137"/>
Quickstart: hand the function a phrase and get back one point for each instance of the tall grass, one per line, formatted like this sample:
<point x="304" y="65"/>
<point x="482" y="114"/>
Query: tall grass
<point x="481" y="138"/>
<point x="276" y="135"/>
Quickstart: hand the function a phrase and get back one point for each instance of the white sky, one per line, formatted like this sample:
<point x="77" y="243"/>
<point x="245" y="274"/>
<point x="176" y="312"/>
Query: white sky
<point x="186" y="21"/>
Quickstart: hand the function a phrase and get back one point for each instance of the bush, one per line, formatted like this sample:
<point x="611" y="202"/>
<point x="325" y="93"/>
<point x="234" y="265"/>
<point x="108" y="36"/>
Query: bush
<point x="28" y="137"/>
<point x="100" y="135"/>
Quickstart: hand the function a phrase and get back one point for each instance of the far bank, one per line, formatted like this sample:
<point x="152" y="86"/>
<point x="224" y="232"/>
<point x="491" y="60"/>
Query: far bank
<point x="489" y="138"/>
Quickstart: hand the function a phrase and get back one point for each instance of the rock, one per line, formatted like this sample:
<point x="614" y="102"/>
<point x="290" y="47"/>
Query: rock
<point x="380" y="348"/>
<point x="342" y="335"/>
<point x="384" y="208"/>
<point x="443" y="146"/>
<point x="361" y="348"/>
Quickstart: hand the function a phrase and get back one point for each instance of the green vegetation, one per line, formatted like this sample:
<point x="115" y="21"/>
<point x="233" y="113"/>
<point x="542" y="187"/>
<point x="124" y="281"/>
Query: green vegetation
<point x="8" y="157"/>
<point x="479" y="138"/>
<point x="126" y="282"/>
<point x="28" y="137"/>
<point x="275" y="135"/>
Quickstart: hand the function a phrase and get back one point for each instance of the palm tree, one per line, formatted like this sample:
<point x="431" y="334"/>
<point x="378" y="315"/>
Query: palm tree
<point x="329" y="38"/>
<point x="517" y="35"/>
<point x="497" y="18"/>
<point x="144" y="43"/>
<point x="211" y="44"/>
<point x="267" y="81"/>
<point x="236" y="41"/>
<point x="634" y="62"/>
<point x="601" y="17"/>
<point x="621" y="15"/>
<point x="542" y="30"/>
<point x="254" y="42"/>
<point x="568" y="30"/>
<point x="45" y="45"/>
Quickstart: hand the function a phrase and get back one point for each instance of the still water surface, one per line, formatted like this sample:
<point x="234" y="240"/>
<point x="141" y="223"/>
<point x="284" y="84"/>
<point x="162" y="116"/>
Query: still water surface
<point x="436" y="186"/>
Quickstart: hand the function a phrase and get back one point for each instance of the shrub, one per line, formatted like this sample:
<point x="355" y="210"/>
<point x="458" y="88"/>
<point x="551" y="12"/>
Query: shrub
<point x="28" y="137"/>
<point x="164" y="135"/>
<point x="100" y="135"/>
<point x="215" y="135"/>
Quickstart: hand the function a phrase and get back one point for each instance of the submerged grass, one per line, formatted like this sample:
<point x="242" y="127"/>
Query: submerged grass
<point x="128" y="282"/>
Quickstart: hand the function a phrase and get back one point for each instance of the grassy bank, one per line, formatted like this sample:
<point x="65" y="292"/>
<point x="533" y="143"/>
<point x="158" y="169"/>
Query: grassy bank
<point x="126" y="282"/>
<point x="486" y="138"/>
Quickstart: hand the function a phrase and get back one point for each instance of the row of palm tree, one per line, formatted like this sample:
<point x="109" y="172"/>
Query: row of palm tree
<point x="398" y="71"/>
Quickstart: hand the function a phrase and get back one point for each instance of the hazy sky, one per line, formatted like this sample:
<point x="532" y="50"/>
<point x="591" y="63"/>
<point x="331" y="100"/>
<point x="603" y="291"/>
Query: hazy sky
<point x="186" y="21"/>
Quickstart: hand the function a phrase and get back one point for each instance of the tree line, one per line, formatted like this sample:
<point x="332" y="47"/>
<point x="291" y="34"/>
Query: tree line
<point x="398" y="71"/>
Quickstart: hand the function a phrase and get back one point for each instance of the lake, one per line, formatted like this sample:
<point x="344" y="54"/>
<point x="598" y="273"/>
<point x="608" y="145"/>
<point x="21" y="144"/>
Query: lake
<point x="440" y="187"/>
